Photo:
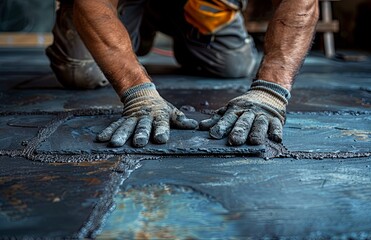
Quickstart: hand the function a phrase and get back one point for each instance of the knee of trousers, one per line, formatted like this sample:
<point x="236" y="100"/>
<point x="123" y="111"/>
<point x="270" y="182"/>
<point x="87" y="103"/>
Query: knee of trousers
<point x="76" y="73"/>
<point x="236" y="63"/>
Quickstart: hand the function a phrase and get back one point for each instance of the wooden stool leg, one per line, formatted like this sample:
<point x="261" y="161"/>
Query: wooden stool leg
<point x="328" y="36"/>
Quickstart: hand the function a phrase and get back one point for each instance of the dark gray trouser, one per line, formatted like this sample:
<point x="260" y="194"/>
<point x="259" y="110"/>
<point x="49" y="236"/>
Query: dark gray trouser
<point x="70" y="60"/>
<point x="229" y="53"/>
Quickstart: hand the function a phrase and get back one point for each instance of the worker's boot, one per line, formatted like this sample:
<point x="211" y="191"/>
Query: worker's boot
<point x="70" y="60"/>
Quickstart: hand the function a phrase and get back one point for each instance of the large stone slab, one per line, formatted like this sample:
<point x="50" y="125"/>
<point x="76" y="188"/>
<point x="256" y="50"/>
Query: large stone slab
<point x="78" y="136"/>
<point x="61" y="200"/>
<point x="331" y="133"/>
<point x="237" y="198"/>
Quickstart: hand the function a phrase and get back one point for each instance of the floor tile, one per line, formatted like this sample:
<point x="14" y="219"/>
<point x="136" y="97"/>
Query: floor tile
<point x="229" y="198"/>
<point x="54" y="200"/>
<point x="78" y="136"/>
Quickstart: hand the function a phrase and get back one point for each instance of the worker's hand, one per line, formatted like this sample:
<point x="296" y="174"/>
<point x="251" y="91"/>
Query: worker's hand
<point x="145" y="112"/>
<point x="259" y="113"/>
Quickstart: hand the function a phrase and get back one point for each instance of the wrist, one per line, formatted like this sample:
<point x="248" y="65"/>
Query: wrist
<point x="271" y="88"/>
<point x="271" y="97"/>
<point x="131" y="76"/>
<point x="275" y="74"/>
<point x="140" y="90"/>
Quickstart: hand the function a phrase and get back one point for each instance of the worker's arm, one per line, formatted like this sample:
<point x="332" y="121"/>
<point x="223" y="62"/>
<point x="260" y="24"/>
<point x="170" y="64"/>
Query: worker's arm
<point x="261" y="112"/>
<point x="108" y="42"/>
<point x="288" y="39"/>
<point x="145" y="112"/>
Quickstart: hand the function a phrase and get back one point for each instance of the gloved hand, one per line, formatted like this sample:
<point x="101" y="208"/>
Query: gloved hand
<point x="254" y="115"/>
<point x="145" y="111"/>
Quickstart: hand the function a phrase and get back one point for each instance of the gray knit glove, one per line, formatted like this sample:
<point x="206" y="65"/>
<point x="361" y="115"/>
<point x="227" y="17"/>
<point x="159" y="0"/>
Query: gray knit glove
<point x="254" y="115"/>
<point x="145" y="112"/>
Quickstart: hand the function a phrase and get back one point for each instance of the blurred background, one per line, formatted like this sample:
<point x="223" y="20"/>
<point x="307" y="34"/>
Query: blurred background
<point x="29" y="22"/>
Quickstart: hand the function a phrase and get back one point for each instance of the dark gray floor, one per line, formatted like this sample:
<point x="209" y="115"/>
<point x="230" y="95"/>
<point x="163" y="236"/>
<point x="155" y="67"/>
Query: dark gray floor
<point x="55" y="181"/>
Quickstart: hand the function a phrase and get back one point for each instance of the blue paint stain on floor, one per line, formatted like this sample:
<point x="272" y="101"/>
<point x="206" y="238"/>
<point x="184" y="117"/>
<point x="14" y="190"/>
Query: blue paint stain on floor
<point x="167" y="212"/>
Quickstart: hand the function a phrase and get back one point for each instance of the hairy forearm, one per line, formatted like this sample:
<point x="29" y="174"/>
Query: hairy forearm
<point x="108" y="42"/>
<point x="288" y="39"/>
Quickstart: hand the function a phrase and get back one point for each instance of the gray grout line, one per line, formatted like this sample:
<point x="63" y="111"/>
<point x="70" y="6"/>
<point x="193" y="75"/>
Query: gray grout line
<point x="75" y="112"/>
<point x="44" y="133"/>
<point x="102" y="211"/>
<point x="324" y="155"/>
<point x="58" y="158"/>
<point x="332" y="113"/>
<point x="275" y="150"/>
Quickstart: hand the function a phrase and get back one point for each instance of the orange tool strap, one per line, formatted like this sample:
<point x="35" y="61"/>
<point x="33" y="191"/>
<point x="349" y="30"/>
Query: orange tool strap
<point x="208" y="16"/>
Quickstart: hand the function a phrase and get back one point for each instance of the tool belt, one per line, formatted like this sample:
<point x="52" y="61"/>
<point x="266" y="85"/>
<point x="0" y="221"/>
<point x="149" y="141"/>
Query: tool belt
<point x="208" y="16"/>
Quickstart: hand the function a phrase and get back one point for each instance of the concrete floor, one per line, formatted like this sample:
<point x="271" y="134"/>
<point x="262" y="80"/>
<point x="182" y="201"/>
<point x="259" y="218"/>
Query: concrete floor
<point x="56" y="182"/>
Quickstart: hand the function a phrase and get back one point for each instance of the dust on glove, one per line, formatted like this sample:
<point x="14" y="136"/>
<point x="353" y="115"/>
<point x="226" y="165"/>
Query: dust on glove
<point x="145" y="113"/>
<point x="251" y="117"/>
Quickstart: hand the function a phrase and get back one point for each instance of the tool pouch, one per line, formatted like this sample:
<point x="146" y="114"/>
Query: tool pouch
<point x="208" y="16"/>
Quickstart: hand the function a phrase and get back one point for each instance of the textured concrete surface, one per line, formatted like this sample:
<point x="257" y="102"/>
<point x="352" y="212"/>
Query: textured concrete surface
<point x="55" y="181"/>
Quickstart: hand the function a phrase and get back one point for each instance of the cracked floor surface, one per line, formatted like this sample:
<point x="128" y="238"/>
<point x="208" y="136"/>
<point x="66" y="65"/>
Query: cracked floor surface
<point x="56" y="182"/>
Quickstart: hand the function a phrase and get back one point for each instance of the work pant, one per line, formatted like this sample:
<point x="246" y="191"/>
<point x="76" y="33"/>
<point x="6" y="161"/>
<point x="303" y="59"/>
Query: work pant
<point x="228" y="53"/>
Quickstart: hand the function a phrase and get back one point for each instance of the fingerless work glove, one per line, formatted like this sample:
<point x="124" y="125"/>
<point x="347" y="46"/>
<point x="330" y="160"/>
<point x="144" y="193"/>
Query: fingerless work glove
<point x="253" y="116"/>
<point x="145" y="112"/>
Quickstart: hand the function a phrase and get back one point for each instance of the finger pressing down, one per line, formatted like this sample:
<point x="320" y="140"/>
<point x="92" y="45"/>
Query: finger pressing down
<point x="161" y="128"/>
<point x="107" y="133"/>
<point x="123" y="133"/>
<point x="259" y="130"/>
<point x="224" y="125"/>
<point x="275" y="130"/>
<point x="142" y="131"/>
<point x="241" y="129"/>
<point x="179" y="120"/>
<point x="208" y="123"/>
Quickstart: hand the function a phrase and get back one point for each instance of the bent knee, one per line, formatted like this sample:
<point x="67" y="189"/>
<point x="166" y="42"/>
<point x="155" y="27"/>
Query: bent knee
<point x="76" y="74"/>
<point x="79" y="75"/>
<point x="239" y="70"/>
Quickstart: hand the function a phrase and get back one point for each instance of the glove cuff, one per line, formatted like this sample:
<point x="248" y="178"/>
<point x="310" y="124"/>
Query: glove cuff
<point x="270" y="96"/>
<point x="270" y="86"/>
<point x="141" y="90"/>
